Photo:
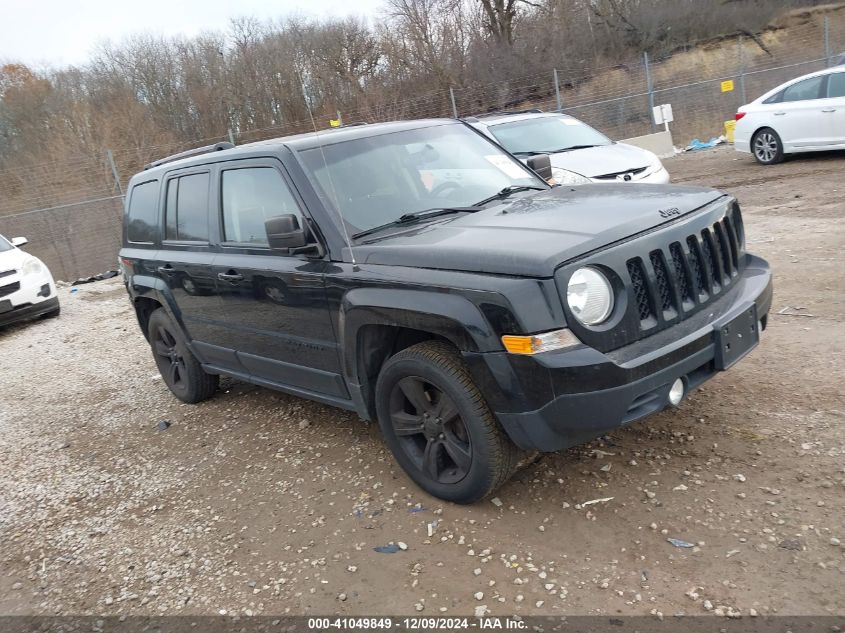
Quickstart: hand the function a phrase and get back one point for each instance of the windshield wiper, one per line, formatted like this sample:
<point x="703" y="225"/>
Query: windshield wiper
<point x="507" y="191"/>
<point x="416" y="216"/>
<point x="571" y="147"/>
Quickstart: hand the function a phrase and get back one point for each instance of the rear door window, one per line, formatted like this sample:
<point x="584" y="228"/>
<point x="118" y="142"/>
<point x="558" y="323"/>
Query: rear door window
<point x="804" y="90"/>
<point x="186" y="210"/>
<point x="143" y="213"/>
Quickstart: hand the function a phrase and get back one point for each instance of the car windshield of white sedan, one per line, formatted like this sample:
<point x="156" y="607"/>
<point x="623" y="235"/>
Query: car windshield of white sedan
<point x="547" y="134"/>
<point x="375" y="180"/>
<point x="5" y="245"/>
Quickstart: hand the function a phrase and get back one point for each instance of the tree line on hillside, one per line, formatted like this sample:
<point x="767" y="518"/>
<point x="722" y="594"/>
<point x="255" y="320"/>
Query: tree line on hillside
<point x="258" y="76"/>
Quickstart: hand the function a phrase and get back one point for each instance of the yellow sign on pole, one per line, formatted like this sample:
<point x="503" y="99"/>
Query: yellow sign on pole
<point x="334" y="122"/>
<point x="728" y="86"/>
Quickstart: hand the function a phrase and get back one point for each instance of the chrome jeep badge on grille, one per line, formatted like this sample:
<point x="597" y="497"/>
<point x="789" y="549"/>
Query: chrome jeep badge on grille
<point x="668" y="213"/>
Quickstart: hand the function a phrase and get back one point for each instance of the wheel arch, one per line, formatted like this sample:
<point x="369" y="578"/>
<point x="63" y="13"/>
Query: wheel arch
<point x="144" y="307"/>
<point x="375" y="324"/>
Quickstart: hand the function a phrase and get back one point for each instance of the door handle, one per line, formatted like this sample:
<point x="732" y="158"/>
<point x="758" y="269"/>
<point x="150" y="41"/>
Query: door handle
<point x="165" y="270"/>
<point x="230" y="277"/>
<point x="779" y="113"/>
<point x="829" y="110"/>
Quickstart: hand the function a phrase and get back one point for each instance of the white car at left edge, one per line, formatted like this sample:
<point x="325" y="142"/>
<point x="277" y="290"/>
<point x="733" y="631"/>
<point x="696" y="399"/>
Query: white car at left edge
<point x="27" y="289"/>
<point x="806" y="114"/>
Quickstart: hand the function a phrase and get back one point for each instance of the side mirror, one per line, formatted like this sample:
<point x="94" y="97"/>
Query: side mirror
<point x="19" y="241"/>
<point x="284" y="233"/>
<point x="542" y="165"/>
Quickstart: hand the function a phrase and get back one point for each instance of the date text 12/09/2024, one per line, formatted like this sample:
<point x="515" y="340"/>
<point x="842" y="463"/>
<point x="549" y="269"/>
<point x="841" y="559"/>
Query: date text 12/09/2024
<point x="415" y="624"/>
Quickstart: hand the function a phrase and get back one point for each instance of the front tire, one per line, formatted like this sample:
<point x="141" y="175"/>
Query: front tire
<point x="179" y="368"/>
<point x="438" y="426"/>
<point x="767" y="146"/>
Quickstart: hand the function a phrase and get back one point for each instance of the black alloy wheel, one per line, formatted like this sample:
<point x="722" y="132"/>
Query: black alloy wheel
<point x="170" y="361"/>
<point x="181" y="371"/>
<point x="438" y="425"/>
<point x="430" y="431"/>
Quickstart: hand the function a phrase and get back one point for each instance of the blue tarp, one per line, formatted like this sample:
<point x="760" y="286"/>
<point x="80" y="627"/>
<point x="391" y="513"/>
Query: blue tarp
<point x="696" y="144"/>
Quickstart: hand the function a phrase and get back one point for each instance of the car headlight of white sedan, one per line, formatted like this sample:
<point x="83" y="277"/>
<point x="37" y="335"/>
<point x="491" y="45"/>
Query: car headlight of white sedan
<point x="654" y="164"/>
<point x="32" y="266"/>
<point x="566" y="177"/>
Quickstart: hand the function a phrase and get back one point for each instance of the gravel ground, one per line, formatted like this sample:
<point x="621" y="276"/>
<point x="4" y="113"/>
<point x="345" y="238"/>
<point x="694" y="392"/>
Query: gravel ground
<point x="259" y="503"/>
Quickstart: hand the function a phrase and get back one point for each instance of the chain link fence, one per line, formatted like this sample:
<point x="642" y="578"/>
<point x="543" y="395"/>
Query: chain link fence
<point x="71" y="210"/>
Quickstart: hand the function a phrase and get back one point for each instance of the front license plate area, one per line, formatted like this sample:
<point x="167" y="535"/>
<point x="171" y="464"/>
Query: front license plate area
<point x="5" y="306"/>
<point x="736" y="338"/>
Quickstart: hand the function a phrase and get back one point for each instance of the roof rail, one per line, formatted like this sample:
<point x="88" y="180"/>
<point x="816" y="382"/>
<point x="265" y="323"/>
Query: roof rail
<point x="217" y="147"/>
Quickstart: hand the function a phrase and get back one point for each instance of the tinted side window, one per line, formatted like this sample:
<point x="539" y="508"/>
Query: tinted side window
<point x="186" y="211"/>
<point x="250" y="196"/>
<point x="804" y="90"/>
<point x="836" y="85"/>
<point x="143" y="212"/>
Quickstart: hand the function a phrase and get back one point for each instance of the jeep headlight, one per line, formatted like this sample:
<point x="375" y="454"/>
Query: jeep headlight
<point x="31" y="267"/>
<point x="589" y="295"/>
<point x="566" y="177"/>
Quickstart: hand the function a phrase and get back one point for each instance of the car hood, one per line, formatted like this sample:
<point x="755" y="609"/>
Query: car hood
<point x="533" y="235"/>
<point x="605" y="159"/>
<point x="13" y="259"/>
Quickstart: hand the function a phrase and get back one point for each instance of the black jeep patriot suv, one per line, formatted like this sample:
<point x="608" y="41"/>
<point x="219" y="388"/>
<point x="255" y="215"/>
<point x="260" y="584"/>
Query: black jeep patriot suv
<point x="416" y="273"/>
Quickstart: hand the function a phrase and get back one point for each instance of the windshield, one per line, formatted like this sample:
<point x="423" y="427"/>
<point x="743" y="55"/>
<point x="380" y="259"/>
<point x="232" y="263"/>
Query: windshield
<point x="546" y="134"/>
<point x="377" y="179"/>
<point x="5" y="245"/>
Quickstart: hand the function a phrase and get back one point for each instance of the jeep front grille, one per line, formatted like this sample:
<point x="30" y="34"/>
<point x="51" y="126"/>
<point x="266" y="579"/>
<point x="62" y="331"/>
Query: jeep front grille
<point x="668" y="285"/>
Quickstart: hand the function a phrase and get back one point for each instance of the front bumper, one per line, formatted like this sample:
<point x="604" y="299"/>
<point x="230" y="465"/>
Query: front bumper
<point x="555" y="400"/>
<point x="35" y="295"/>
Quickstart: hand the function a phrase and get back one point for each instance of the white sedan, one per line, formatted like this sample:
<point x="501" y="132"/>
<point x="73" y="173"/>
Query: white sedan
<point x="579" y="154"/>
<point x="806" y="114"/>
<point x="27" y="289"/>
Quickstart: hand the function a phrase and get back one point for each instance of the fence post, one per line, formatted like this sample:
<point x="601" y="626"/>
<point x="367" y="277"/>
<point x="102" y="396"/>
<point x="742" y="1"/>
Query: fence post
<point x="742" y="71"/>
<point x="231" y="137"/>
<point x="827" y="53"/>
<point x="110" y="157"/>
<point x="454" y="107"/>
<point x="650" y="89"/>
<point x="557" y="92"/>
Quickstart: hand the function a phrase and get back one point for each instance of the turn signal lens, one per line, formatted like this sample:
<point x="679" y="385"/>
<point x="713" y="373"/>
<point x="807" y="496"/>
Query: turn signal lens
<point x="739" y="115"/>
<point x="536" y="343"/>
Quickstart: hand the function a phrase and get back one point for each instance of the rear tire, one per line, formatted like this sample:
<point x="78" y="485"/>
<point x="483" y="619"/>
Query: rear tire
<point x="767" y="146"/>
<point x="178" y="367"/>
<point x="438" y="426"/>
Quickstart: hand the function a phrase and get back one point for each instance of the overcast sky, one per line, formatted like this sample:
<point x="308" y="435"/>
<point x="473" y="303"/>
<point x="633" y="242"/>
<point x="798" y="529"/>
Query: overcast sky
<point x="62" y="32"/>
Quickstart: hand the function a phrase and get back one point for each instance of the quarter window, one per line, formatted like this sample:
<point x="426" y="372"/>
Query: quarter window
<point x="143" y="211"/>
<point x="804" y="90"/>
<point x="251" y="196"/>
<point x="186" y="212"/>
<point x="836" y="85"/>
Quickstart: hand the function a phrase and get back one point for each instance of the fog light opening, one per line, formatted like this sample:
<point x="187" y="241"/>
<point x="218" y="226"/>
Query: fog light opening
<point x="676" y="392"/>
